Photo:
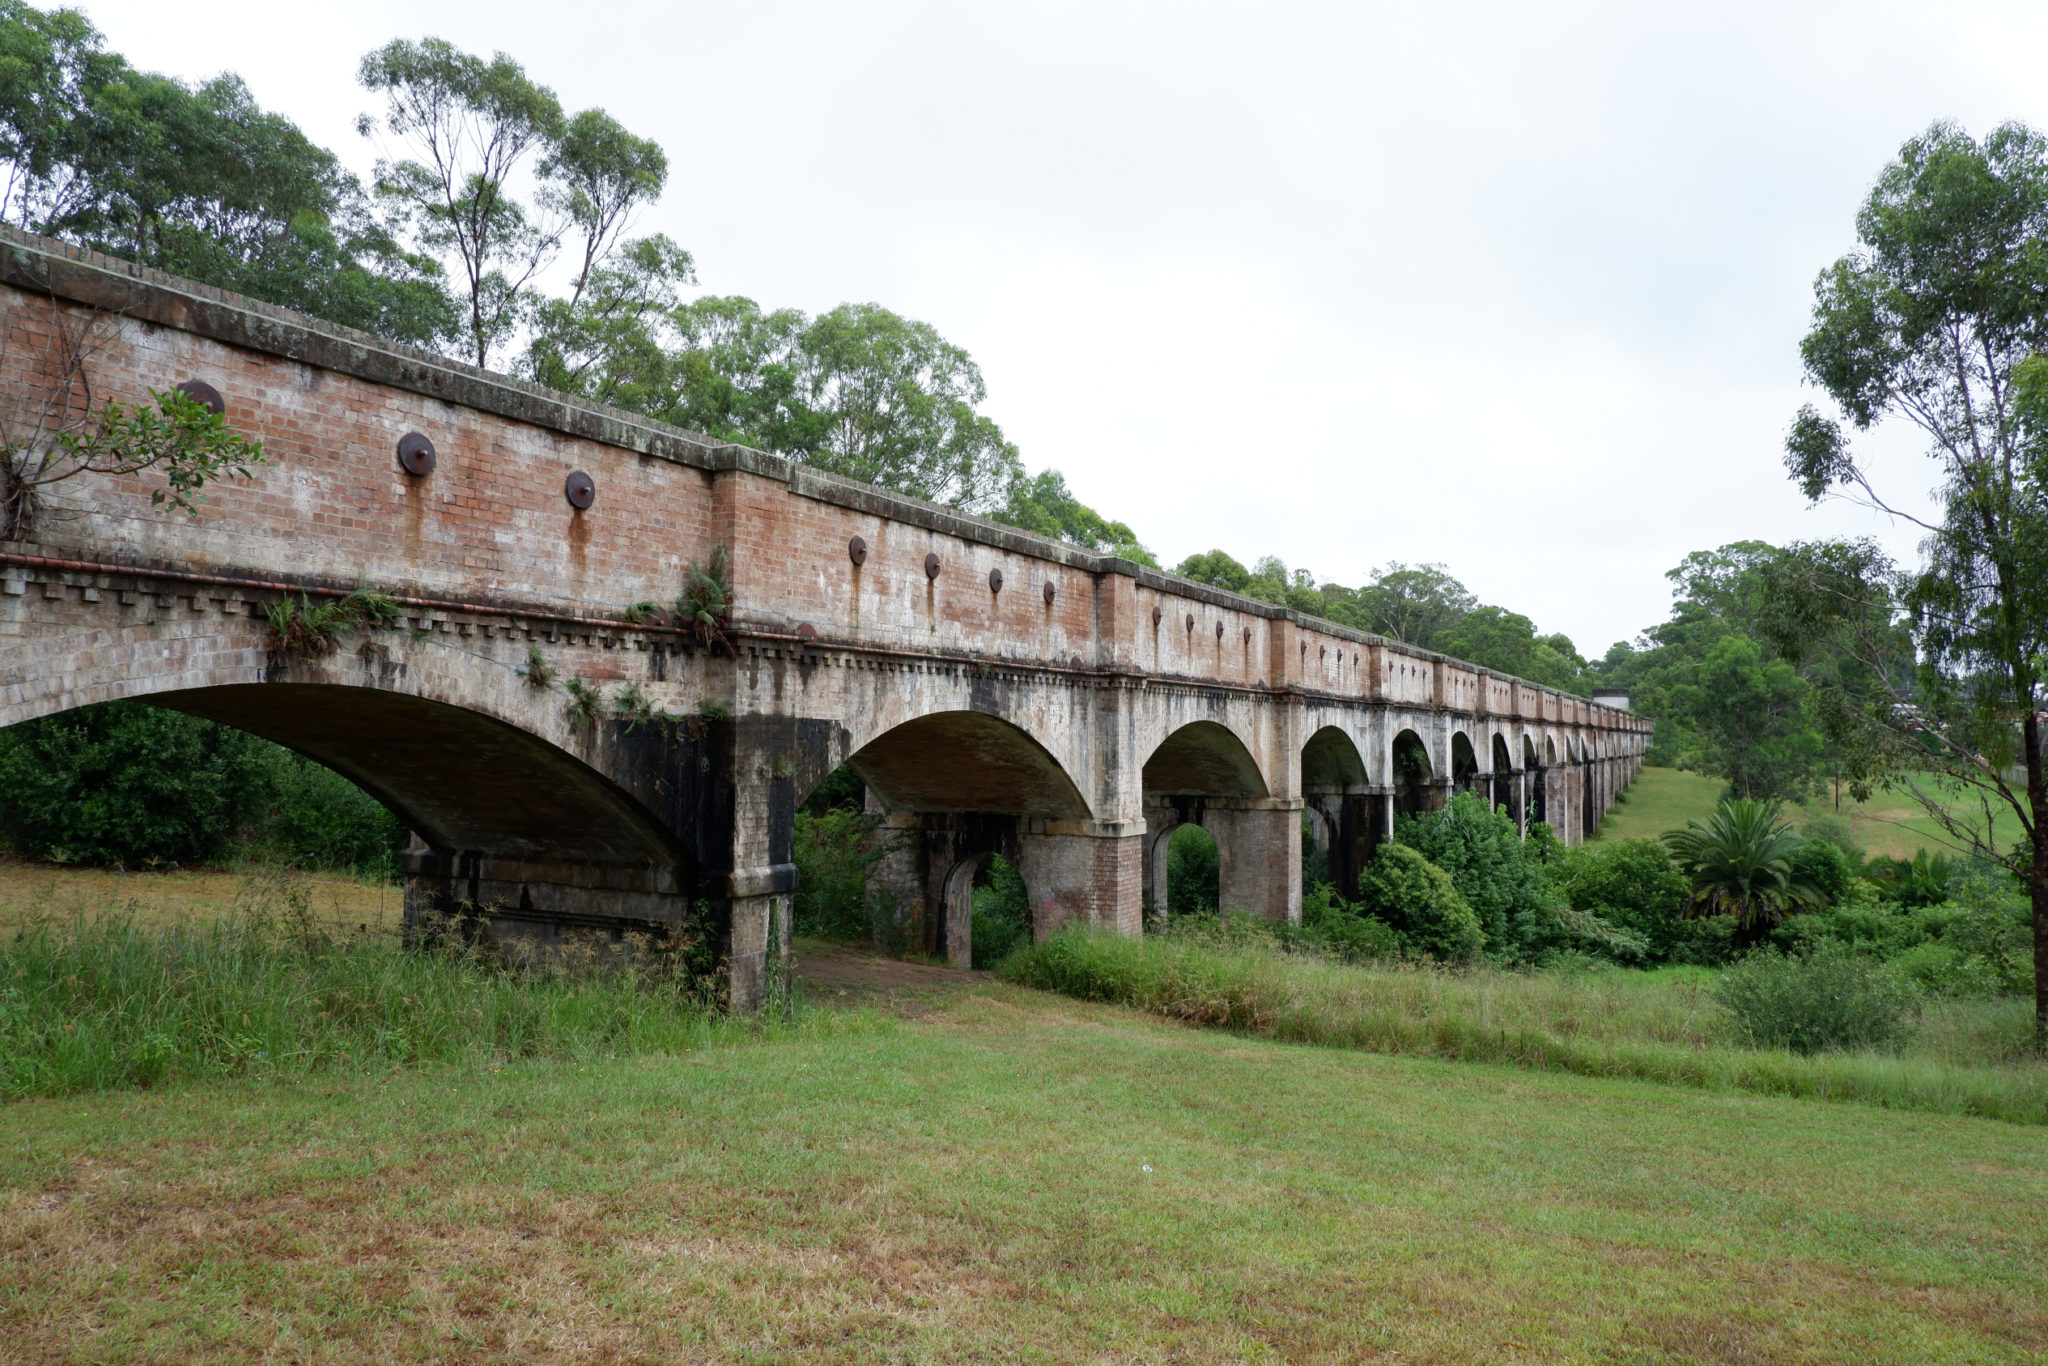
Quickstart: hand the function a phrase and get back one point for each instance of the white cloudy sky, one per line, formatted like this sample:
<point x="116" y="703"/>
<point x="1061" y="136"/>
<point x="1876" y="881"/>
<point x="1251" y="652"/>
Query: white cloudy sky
<point x="1513" y="287"/>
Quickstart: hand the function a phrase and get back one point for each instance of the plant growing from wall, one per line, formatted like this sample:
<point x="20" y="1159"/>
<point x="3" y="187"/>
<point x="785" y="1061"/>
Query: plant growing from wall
<point x="641" y="613"/>
<point x="74" y="434"/>
<point x="586" y="700"/>
<point x="303" y="629"/>
<point x="538" y="673"/>
<point x="633" y="706"/>
<point x="706" y="602"/>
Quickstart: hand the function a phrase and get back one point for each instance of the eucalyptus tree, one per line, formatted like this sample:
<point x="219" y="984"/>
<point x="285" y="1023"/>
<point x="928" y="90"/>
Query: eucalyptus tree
<point x="472" y="133"/>
<point x="1940" y="319"/>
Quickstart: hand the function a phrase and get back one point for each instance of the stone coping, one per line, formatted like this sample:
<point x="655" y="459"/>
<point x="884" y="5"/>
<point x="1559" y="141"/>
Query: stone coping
<point x="45" y="265"/>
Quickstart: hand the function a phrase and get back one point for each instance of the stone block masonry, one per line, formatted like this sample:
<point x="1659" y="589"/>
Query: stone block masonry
<point x="996" y="692"/>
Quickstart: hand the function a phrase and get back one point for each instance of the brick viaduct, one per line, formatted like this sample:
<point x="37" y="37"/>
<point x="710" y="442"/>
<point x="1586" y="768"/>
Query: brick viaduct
<point x="996" y="692"/>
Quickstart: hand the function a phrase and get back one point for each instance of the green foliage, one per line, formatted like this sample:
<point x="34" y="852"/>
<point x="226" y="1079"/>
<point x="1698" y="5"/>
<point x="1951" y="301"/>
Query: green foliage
<point x="1822" y="865"/>
<point x="188" y="443"/>
<point x="1483" y="852"/>
<point x="538" y="673"/>
<point x="1342" y="930"/>
<point x="1750" y="725"/>
<point x="1420" y="901"/>
<point x="1194" y="872"/>
<point x="137" y="786"/>
<point x="1217" y="569"/>
<point x="632" y="705"/>
<point x="1921" y="880"/>
<point x="842" y="787"/>
<point x="835" y="851"/>
<point x="586" y="699"/>
<point x="1741" y="862"/>
<point x="1830" y="999"/>
<point x="1001" y="914"/>
<point x="1834" y="830"/>
<point x="1043" y="504"/>
<point x="304" y="629"/>
<point x="127" y="784"/>
<point x="705" y="606"/>
<point x="1631" y="886"/>
<point x="194" y="179"/>
<point x="1608" y="1023"/>
<point x="104" y="1003"/>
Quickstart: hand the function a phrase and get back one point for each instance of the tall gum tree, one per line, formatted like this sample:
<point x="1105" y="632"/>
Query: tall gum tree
<point x="1939" y="318"/>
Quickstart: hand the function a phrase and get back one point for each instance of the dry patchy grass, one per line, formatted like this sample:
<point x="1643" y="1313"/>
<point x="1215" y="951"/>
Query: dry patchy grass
<point x="41" y="890"/>
<point x="973" y="1186"/>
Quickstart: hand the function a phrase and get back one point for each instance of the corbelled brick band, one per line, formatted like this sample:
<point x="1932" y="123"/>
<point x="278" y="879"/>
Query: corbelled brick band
<point x="1068" y="714"/>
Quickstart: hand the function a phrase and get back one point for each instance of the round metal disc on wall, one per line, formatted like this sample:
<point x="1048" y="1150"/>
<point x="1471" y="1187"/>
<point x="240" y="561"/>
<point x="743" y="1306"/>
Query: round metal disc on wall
<point x="204" y="394"/>
<point x="580" y="489"/>
<point x="857" y="550"/>
<point x="995" y="580"/>
<point x="931" y="565"/>
<point x="1157" y="613"/>
<point x="415" y="454"/>
<point x="1050" y="593"/>
<point x="1219" y="630"/>
<point x="1191" y="621"/>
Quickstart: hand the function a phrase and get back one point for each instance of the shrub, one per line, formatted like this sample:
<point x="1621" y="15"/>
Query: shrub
<point x="1002" y="914"/>
<point x="1482" y="851"/>
<point x="1824" y="867"/>
<point x="1631" y="886"/>
<point x="1330" y="924"/>
<point x="1830" y="999"/>
<point x="1834" y="830"/>
<point x="315" y="818"/>
<point x="834" y="854"/>
<point x="1921" y="880"/>
<point x="125" y="783"/>
<point x="1194" y="872"/>
<point x="1419" y="900"/>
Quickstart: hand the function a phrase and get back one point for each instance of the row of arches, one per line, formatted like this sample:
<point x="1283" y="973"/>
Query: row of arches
<point x="962" y="788"/>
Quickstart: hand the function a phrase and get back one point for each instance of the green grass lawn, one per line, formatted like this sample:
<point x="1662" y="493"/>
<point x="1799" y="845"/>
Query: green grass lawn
<point x="1890" y="823"/>
<point x="1014" y="1177"/>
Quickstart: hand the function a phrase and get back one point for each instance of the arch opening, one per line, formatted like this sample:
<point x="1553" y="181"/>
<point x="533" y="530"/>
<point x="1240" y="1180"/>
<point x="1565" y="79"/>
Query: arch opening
<point x="966" y="761"/>
<point x="1206" y="759"/>
<point x="1342" y="823"/>
<point x="1464" y="764"/>
<point x="1414" y="778"/>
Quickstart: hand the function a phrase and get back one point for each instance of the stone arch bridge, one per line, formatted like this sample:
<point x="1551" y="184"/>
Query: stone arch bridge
<point x="996" y="691"/>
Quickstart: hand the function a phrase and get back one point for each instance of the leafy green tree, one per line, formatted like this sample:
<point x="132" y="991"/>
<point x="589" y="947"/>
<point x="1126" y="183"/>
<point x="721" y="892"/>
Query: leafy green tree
<point x="1215" y="568"/>
<point x="1496" y="638"/>
<point x="1742" y="862"/>
<point x="1481" y="848"/>
<point x="123" y="783"/>
<point x="1750" y="723"/>
<point x="1938" y="319"/>
<point x="1043" y="504"/>
<point x="1414" y="604"/>
<point x="859" y="391"/>
<point x="197" y="180"/>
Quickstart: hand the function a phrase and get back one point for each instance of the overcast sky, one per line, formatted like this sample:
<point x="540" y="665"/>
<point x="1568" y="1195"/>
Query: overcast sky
<point x="1518" y="288"/>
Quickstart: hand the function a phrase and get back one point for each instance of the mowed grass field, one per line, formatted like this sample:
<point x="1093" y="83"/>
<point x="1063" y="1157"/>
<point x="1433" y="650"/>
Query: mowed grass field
<point x="1890" y="823"/>
<point x="1011" y="1176"/>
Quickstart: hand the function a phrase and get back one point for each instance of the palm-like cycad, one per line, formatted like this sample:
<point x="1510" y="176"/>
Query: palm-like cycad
<point x="1740" y="863"/>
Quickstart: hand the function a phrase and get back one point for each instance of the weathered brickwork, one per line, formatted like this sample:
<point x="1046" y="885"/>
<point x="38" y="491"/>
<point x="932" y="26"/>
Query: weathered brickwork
<point x="1064" y="708"/>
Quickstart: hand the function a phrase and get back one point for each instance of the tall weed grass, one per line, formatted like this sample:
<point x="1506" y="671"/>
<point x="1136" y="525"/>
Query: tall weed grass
<point x="1665" y="1027"/>
<point x="107" y="1001"/>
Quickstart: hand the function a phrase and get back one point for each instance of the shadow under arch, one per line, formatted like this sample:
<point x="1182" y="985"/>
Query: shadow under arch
<point x="1201" y="763"/>
<point x="1415" y="790"/>
<point x="959" y="786"/>
<point x="459" y="779"/>
<point x="1536" y="803"/>
<point x="967" y="761"/>
<point x="1504" y="784"/>
<point x="1203" y="758"/>
<point x="1464" y="763"/>
<point x="1348" y="823"/>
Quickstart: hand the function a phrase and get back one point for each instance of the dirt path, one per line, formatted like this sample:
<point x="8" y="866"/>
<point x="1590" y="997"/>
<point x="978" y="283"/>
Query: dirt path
<point x="839" y="974"/>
